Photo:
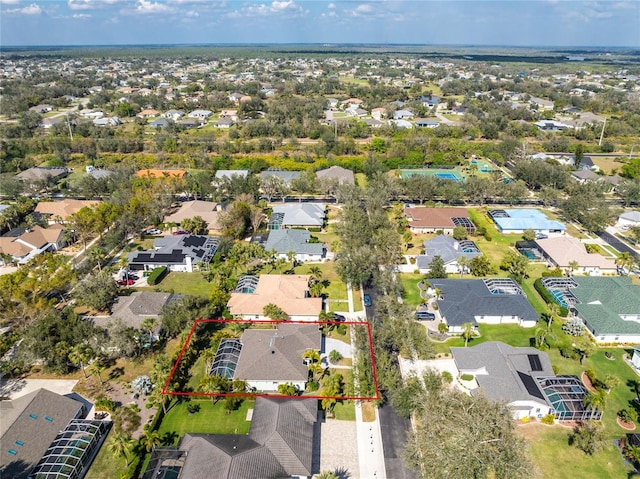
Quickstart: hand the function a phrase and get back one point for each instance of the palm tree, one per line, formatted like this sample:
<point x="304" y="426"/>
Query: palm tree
<point x="547" y="318"/>
<point x="467" y="332"/>
<point x="540" y="337"/>
<point x="121" y="445"/>
<point x="214" y="385"/>
<point x="463" y="262"/>
<point x="573" y="265"/>
<point x="632" y="453"/>
<point x="316" y="273"/>
<point x="331" y="475"/>
<point x="150" y="439"/>
<point x="595" y="401"/>
<point x="81" y="355"/>
<point x="313" y="361"/>
<point x="96" y="369"/>
<point x="625" y="260"/>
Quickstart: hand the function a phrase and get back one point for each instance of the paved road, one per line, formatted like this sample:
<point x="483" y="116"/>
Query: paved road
<point x="617" y="244"/>
<point x="394" y="437"/>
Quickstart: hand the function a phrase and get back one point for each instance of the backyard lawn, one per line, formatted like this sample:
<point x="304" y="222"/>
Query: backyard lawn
<point x="185" y="283"/>
<point x="106" y="465"/>
<point x="345" y="410"/>
<point x="411" y="293"/>
<point x="211" y="419"/>
<point x="555" y="459"/>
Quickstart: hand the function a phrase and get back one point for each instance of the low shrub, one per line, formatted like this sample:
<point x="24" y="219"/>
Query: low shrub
<point x="467" y="377"/>
<point x="548" y="419"/>
<point x="447" y="377"/>
<point x="312" y="386"/>
<point x="156" y="275"/>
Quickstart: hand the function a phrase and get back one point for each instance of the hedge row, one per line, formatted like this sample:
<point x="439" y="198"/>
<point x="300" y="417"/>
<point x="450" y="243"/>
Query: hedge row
<point x="546" y="295"/>
<point x="156" y="275"/>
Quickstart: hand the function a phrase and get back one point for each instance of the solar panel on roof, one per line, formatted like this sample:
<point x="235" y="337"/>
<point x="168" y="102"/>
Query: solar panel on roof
<point x="530" y="385"/>
<point x="534" y="362"/>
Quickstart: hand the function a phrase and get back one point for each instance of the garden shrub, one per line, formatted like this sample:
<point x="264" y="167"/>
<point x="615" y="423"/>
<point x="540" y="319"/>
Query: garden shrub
<point x="591" y="374"/>
<point x="447" y="377"/>
<point x="156" y="275"/>
<point x="548" y="419"/>
<point x="573" y="327"/>
<point x="467" y="377"/>
<point x="569" y="353"/>
<point x="312" y="386"/>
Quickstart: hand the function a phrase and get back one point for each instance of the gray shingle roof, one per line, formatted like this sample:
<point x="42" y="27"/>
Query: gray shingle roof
<point x="301" y="214"/>
<point x="270" y="354"/>
<point x="465" y="299"/>
<point x="339" y="173"/>
<point x="284" y="241"/>
<point x="506" y="370"/>
<point x="444" y="246"/>
<point x="287" y="176"/>
<point x="35" y="420"/>
<point x="279" y="444"/>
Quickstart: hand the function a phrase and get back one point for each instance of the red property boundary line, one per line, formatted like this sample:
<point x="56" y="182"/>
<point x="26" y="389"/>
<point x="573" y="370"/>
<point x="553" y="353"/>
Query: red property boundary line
<point x="253" y="395"/>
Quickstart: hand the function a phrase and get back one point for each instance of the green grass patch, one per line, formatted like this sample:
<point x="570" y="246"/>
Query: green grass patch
<point x="555" y="459"/>
<point x="411" y="293"/>
<point x="105" y="465"/>
<point x="511" y="334"/>
<point x="337" y="289"/>
<point x="345" y="411"/>
<point x="211" y="419"/>
<point x="185" y="283"/>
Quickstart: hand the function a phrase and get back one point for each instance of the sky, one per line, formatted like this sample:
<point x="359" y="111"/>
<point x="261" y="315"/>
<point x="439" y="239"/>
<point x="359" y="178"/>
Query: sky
<point x="606" y="23"/>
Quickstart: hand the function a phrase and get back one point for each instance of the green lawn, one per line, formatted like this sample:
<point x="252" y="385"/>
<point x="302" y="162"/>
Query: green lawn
<point x="105" y="465"/>
<point x="411" y="293"/>
<point x="557" y="460"/>
<point x="345" y="411"/>
<point x="185" y="283"/>
<point x="211" y="419"/>
<point x="511" y="334"/>
<point x="337" y="289"/>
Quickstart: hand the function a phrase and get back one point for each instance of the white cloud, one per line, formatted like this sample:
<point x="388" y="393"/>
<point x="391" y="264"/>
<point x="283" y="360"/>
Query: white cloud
<point x="192" y="13"/>
<point x="33" y="9"/>
<point x="281" y="6"/>
<point x="363" y="8"/>
<point x="331" y="5"/>
<point x="9" y="2"/>
<point x="147" y="6"/>
<point x="81" y="15"/>
<point x="80" y="4"/>
<point x="274" y="8"/>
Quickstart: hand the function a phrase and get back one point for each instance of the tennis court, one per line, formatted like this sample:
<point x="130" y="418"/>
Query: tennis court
<point x="442" y="174"/>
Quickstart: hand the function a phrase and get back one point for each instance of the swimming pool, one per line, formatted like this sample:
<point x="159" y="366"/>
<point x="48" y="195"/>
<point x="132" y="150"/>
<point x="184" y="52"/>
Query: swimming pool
<point x="558" y="295"/>
<point x="530" y="253"/>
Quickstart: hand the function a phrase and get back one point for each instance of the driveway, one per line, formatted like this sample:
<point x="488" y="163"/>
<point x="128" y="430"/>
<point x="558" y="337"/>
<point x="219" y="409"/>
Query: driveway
<point x="15" y="388"/>
<point x="337" y="345"/>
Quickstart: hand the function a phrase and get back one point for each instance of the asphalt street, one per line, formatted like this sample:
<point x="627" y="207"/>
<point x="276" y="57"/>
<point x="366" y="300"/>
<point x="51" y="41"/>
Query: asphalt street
<point x="617" y="244"/>
<point x="394" y="436"/>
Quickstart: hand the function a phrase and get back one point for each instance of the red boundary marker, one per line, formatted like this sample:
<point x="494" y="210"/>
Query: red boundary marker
<point x="340" y="398"/>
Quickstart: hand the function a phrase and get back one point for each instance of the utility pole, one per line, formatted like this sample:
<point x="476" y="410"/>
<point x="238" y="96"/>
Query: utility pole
<point x="69" y="126"/>
<point x="602" y="132"/>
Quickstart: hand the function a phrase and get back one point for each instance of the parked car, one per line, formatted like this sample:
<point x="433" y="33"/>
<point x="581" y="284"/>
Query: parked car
<point x="541" y="236"/>
<point x="425" y="316"/>
<point x="367" y="300"/>
<point x="154" y="232"/>
<point x="338" y="317"/>
<point x="180" y="232"/>
<point x="125" y="282"/>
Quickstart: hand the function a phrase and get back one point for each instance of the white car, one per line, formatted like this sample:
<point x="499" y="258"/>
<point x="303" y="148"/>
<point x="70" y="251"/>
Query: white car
<point x="154" y="231"/>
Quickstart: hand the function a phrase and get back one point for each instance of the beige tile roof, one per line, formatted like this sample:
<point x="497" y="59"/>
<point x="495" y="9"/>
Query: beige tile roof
<point x="205" y="209"/>
<point x="564" y="249"/>
<point x="287" y="291"/>
<point x="420" y="217"/>
<point x="63" y="208"/>
<point x="34" y="239"/>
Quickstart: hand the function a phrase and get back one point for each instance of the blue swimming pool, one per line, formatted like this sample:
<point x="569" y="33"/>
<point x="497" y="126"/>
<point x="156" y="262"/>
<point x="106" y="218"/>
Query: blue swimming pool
<point x="558" y="295"/>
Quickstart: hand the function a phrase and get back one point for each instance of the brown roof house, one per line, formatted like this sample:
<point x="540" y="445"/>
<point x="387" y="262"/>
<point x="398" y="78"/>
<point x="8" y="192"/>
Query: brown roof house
<point x="270" y="357"/>
<point x="279" y="445"/>
<point x="337" y="173"/>
<point x="290" y="292"/>
<point x="59" y="211"/>
<point x="430" y="220"/>
<point x="207" y="210"/>
<point x="26" y="244"/>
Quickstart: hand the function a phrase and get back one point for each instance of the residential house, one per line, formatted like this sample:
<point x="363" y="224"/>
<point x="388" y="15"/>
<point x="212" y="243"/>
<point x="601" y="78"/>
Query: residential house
<point x="271" y="357"/>
<point x="628" y="219"/>
<point x="290" y="215"/>
<point x="286" y="176"/>
<point x="42" y="433"/>
<point x="551" y="125"/>
<point x="403" y="115"/>
<point x="133" y="309"/>
<point x="541" y="103"/>
<point x="430" y="220"/>
<point x="337" y="173"/>
<point x="97" y="173"/>
<point x="287" y="241"/>
<point x="107" y="121"/>
<point x="173" y="114"/>
<point x="449" y="251"/>
<point x="290" y="292"/>
<point x="521" y="219"/>
<point x="280" y="444"/>
<point x="41" y="109"/>
<point x="207" y="210"/>
<point x="231" y="173"/>
<point x="356" y="112"/>
<point x="586" y="175"/>
<point x="184" y="253"/>
<point x="188" y="123"/>
<point x="149" y="113"/>
<point x="333" y="103"/>
<point x="47" y="123"/>
<point x="37" y="173"/>
<point x="487" y="301"/>
<point x="160" y="123"/>
<point x="608" y="306"/>
<point x="379" y="113"/>
<point x="230" y="114"/>
<point x="236" y="97"/>
<point x="565" y="159"/>
<point x="524" y="379"/>
<point x="427" y="123"/>
<point x="201" y="115"/>
<point x="59" y="211"/>
<point x="23" y="245"/>
<point x="401" y="124"/>
<point x="224" y="123"/>
<point x="373" y="123"/>
<point x="561" y="251"/>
